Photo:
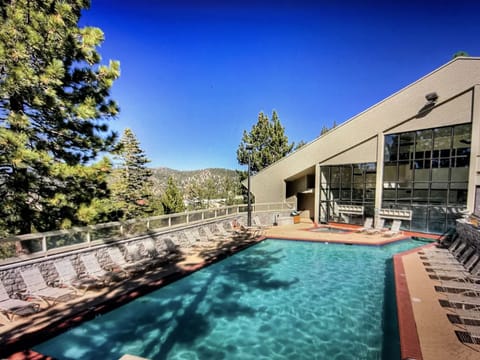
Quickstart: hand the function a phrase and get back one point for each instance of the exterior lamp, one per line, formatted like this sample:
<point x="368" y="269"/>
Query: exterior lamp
<point x="431" y="97"/>
<point x="249" y="148"/>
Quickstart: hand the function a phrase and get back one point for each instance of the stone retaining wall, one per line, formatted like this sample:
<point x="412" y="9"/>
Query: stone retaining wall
<point x="469" y="233"/>
<point x="11" y="278"/>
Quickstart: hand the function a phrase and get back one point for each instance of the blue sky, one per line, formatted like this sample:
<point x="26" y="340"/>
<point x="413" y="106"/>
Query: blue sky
<point x="195" y="74"/>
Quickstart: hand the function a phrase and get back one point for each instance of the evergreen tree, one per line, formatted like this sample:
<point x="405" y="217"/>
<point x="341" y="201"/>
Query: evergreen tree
<point x="132" y="184"/>
<point x="268" y="140"/>
<point x="54" y="107"/>
<point x="172" y="199"/>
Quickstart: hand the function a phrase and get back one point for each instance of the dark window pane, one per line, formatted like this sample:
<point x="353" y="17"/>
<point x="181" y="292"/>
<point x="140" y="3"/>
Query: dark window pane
<point x="419" y="218"/>
<point x="389" y="194"/>
<point x="457" y="197"/>
<point x="437" y="219"/>
<point x="440" y="174"/>
<point x="442" y="138"/>
<point x="459" y="174"/>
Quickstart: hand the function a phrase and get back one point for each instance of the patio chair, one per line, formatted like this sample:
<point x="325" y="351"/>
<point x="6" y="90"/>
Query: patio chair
<point x="470" y="334"/>
<point x="210" y="235"/>
<point x="379" y="227"/>
<point x="258" y="223"/>
<point x="436" y="251"/>
<point x="68" y="277"/>
<point x="470" y="273"/>
<point x="394" y="230"/>
<point x="129" y="268"/>
<point x="446" y="255"/>
<point x="134" y="256"/>
<point x="154" y="257"/>
<point x="367" y="225"/>
<point x="466" y="264"/>
<point x="224" y="232"/>
<point x="36" y="287"/>
<point x="463" y="300"/>
<point x="93" y="269"/>
<point x="10" y="307"/>
<point x="454" y="262"/>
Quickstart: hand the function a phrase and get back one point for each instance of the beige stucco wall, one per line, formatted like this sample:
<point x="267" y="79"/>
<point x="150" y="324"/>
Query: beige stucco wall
<point x="356" y="140"/>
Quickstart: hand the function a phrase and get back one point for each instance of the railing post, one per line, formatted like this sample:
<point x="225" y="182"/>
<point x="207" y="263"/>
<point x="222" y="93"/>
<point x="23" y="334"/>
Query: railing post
<point x="89" y="237"/>
<point x="44" y="244"/>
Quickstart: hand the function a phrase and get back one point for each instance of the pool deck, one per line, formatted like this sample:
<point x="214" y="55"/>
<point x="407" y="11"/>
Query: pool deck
<point x="426" y="332"/>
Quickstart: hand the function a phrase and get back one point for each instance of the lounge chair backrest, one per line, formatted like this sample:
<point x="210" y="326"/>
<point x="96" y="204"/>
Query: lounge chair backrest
<point x="380" y="224"/>
<point x="149" y="246"/>
<point x="256" y="221"/>
<point x="65" y="270"/>
<point x="472" y="261"/>
<point x="33" y="279"/>
<point x="476" y="269"/>
<point x="396" y="225"/>
<point x="221" y="229"/>
<point x="91" y="264"/>
<point x="3" y="293"/>
<point x="466" y="254"/>
<point x="171" y="247"/>
<point x="454" y="244"/>
<point x="459" y="249"/>
<point x="208" y="232"/>
<point x="133" y="252"/>
<point x="116" y="255"/>
<point x="189" y="236"/>
<point x="368" y="223"/>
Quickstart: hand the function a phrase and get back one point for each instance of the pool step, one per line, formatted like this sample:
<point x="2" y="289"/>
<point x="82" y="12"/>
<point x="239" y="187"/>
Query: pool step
<point x="131" y="357"/>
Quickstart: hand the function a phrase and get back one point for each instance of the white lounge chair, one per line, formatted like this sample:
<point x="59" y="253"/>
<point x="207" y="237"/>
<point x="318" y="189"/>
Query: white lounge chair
<point x="394" y="230"/>
<point x="36" y="287"/>
<point x="367" y="225"/>
<point x="129" y="267"/>
<point x="10" y="307"/>
<point x="93" y="269"/>
<point x="68" y="276"/>
<point x="379" y="227"/>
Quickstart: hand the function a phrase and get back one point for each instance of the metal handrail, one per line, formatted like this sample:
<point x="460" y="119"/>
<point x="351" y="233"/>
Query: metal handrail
<point x="45" y="243"/>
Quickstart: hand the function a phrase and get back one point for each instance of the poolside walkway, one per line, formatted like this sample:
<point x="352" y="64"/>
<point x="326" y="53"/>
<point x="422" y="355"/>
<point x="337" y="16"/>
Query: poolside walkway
<point x="420" y="308"/>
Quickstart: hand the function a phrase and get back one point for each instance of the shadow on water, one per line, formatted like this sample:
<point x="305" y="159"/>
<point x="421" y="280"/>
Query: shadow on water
<point x="391" y="336"/>
<point x="159" y="322"/>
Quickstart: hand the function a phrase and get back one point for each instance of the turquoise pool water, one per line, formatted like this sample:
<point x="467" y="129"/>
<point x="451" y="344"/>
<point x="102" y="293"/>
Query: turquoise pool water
<point x="275" y="300"/>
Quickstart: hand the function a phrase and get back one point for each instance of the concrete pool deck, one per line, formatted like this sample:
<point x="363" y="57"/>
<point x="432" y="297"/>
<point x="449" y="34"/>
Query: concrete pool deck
<point x="426" y="332"/>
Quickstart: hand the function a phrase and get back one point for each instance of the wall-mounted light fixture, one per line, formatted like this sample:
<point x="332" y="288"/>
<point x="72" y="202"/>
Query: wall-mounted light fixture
<point x="431" y="97"/>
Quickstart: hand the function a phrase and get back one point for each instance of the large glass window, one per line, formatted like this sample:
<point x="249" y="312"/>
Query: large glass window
<point x="426" y="171"/>
<point x="350" y="184"/>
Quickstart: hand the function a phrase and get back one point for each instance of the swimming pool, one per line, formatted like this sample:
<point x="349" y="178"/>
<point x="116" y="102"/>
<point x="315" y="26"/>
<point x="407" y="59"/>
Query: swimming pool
<point x="275" y="300"/>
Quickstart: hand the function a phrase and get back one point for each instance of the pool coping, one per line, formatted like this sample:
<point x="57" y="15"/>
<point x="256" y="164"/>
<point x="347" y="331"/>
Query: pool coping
<point x="407" y="327"/>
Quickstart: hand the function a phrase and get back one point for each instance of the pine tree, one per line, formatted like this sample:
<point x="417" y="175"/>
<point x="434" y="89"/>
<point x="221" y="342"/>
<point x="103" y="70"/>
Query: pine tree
<point x="172" y="199"/>
<point x="132" y="184"/>
<point x="54" y="108"/>
<point x="268" y="140"/>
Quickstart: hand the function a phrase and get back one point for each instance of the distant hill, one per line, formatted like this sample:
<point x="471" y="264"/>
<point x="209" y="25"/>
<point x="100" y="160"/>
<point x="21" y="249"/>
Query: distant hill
<point x="222" y="178"/>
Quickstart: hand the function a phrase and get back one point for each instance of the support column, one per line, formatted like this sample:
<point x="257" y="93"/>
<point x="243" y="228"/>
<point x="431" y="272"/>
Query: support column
<point x="474" y="172"/>
<point x="379" y="182"/>
<point x="317" y="194"/>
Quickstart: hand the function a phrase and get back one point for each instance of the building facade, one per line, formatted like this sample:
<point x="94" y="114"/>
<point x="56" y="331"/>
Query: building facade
<point x="417" y="150"/>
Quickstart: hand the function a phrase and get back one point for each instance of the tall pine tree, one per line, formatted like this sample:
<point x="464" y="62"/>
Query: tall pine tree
<point x="268" y="140"/>
<point x="54" y="111"/>
<point x="172" y="198"/>
<point x="132" y="184"/>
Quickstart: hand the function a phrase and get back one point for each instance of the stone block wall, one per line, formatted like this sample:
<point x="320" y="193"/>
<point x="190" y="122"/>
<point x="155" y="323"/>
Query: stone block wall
<point x="12" y="280"/>
<point x="469" y="233"/>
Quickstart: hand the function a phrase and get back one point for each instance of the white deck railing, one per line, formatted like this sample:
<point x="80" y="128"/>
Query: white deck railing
<point x="52" y="242"/>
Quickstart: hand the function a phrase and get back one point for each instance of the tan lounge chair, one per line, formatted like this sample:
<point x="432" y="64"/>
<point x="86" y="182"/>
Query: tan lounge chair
<point x="10" y="307"/>
<point x="38" y="288"/>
